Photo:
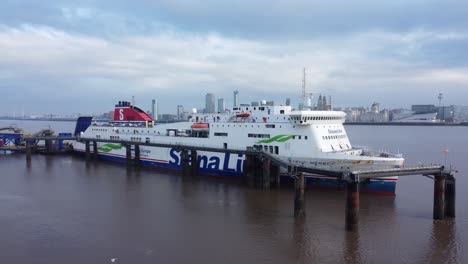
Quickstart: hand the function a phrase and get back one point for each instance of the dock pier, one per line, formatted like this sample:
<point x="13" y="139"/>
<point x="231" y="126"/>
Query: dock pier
<point x="262" y="170"/>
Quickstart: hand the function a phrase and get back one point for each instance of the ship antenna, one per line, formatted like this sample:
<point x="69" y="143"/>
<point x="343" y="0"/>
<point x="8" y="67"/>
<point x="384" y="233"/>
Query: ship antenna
<point x="304" y="83"/>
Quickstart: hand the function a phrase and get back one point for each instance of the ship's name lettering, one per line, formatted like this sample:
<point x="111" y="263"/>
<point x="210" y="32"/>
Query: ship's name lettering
<point x="213" y="162"/>
<point x="335" y="131"/>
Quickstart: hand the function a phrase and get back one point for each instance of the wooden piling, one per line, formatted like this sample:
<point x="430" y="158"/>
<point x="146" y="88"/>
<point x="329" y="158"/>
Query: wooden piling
<point x="439" y="197"/>
<point x="137" y="156"/>
<point x="194" y="162"/>
<point x="48" y="146"/>
<point x="87" y="151"/>
<point x="450" y="196"/>
<point x="275" y="175"/>
<point x="299" y="201"/>
<point x="352" y="205"/>
<point x="128" y="155"/>
<point x="95" y="150"/>
<point x="266" y="174"/>
<point x="28" y="151"/>
<point x="185" y="162"/>
<point x="250" y="170"/>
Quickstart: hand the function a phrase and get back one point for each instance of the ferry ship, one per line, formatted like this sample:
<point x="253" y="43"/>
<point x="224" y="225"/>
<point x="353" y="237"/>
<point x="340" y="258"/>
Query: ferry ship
<point x="303" y="137"/>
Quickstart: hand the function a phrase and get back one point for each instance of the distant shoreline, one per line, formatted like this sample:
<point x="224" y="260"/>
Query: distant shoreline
<point x="347" y="123"/>
<point x="403" y="124"/>
<point x="39" y="119"/>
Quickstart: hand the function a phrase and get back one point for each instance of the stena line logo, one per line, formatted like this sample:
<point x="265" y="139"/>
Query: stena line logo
<point x="121" y="114"/>
<point x="225" y="162"/>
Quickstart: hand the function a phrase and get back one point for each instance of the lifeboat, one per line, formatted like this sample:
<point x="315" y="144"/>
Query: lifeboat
<point x="201" y="126"/>
<point x="243" y="115"/>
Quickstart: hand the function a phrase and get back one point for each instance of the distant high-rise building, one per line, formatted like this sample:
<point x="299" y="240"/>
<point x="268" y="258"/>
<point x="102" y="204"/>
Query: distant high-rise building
<point x="236" y="98"/>
<point x="210" y="103"/>
<point x="375" y="108"/>
<point x="322" y="104"/>
<point x="288" y="101"/>
<point x="154" y="109"/>
<point x="180" y="111"/>
<point x="221" y="105"/>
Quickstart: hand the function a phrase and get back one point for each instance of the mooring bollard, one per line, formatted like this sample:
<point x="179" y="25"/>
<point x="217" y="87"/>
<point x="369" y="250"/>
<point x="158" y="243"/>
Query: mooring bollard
<point x="450" y="196"/>
<point x="439" y="197"/>
<point x="352" y="205"/>
<point x="299" y="202"/>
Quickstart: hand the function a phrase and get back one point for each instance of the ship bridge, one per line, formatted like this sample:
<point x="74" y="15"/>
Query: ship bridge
<point x="314" y="117"/>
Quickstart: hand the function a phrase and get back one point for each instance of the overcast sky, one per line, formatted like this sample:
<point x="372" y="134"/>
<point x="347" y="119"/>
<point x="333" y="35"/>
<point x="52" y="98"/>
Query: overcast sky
<point x="83" y="56"/>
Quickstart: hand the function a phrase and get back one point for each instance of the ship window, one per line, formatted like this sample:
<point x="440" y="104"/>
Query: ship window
<point x="219" y="134"/>
<point x="265" y="148"/>
<point x="305" y="137"/>
<point x="270" y="126"/>
<point x="271" y="149"/>
<point x="299" y="137"/>
<point x="276" y="150"/>
<point x="294" y="137"/>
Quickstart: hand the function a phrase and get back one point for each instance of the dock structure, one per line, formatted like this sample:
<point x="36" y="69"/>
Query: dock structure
<point x="262" y="171"/>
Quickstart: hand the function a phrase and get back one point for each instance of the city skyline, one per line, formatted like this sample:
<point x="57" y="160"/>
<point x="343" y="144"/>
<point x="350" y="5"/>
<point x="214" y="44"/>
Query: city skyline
<point x="81" y="56"/>
<point x="200" y="106"/>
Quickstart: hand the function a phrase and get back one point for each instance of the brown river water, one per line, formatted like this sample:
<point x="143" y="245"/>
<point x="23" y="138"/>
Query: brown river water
<point x="61" y="210"/>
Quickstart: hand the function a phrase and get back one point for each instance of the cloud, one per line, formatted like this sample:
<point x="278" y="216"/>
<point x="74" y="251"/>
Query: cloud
<point x="127" y="55"/>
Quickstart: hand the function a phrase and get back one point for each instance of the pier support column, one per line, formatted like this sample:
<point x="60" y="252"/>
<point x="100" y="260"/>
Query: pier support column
<point x="129" y="155"/>
<point x="185" y="162"/>
<point x="266" y="174"/>
<point x="299" y="202"/>
<point x="450" y="196"/>
<point x="194" y="162"/>
<point x="352" y="205"/>
<point x="275" y="175"/>
<point x="439" y="197"/>
<point x="258" y="175"/>
<point x="28" y="151"/>
<point x="250" y="170"/>
<point x="95" y="150"/>
<point x="48" y="146"/>
<point x="137" y="155"/>
<point x="87" y="151"/>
